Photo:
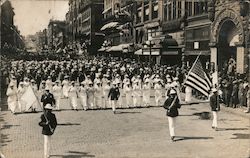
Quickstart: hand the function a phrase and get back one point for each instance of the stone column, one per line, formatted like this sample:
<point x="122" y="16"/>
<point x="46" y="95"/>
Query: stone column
<point x="214" y="55"/>
<point x="240" y="59"/>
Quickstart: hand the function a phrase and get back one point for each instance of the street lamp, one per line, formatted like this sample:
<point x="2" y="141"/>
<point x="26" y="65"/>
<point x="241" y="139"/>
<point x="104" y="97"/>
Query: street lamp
<point x="150" y="43"/>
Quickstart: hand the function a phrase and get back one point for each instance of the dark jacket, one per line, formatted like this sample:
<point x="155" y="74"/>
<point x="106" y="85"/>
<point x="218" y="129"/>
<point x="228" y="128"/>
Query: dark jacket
<point x="52" y="122"/>
<point x="172" y="111"/>
<point x="214" y="103"/>
<point x="48" y="99"/>
<point x="114" y="93"/>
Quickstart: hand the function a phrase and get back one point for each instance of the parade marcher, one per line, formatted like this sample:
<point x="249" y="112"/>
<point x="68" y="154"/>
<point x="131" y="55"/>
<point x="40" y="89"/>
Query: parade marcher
<point x="158" y="92"/>
<point x="49" y="83"/>
<point x="57" y="92"/>
<point x="73" y="95"/>
<point x="234" y="95"/>
<point x="128" y="90"/>
<point x="90" y="95"/>
<point x="146" y="93"/>
<point x="65" y="84"/>
<point x="136" y="93"/>
<point x="47" y="98"/>
<point x="83" y="96"/>
<point x="172" y="105"/>
<point x="98" y="94"/>
<point x="114" y="94"/>
<point x="215" y="107"/>
<point x="20" y="92"/>
<point x="35" y="90"/>
<point x="106" y="88"/>
<point x="49" y="123"/>
<point x="12" y="98"/>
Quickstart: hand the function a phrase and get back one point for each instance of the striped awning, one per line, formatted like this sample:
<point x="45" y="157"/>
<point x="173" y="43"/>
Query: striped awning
<point x="109" y="25"/>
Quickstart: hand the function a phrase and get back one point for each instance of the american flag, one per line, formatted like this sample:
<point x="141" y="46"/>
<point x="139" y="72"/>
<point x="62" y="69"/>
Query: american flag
<point x="198" y="79"/>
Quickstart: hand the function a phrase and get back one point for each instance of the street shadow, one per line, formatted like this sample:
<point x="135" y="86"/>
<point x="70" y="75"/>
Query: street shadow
<point x="4" y="139"/>
<point x="127" y="112"/>
<point x="231" y="129"/>
<point x="8" y="126"/>
<point x="74" y="154"/>
<point x="203" y="115"/>
<point x="185" y="115"/>
<point x="68" y="124"/>
<point x="241" y="136"/>
<point x="180" y="138"/>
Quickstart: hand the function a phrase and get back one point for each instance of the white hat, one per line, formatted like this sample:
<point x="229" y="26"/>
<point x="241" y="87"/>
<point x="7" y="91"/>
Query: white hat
<point x="172" y="91"/>
<point x="47" y="88"/>
<point x="48" y="106"/>
<point x="175" y="79"/>
<point x="147" y="80"/>
<point x="214" y="90"/>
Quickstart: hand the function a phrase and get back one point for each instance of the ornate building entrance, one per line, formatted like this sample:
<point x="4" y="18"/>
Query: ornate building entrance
<point x="228" y="33"/>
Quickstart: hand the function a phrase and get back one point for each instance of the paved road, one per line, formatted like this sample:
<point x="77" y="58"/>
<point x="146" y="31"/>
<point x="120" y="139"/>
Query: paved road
<point x="133" y="133"/>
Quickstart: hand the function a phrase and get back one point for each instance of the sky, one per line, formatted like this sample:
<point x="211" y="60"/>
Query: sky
<point x="32" y="16"/>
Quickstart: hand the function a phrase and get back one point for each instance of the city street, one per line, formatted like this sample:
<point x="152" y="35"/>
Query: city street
<point x="131" y="133"/>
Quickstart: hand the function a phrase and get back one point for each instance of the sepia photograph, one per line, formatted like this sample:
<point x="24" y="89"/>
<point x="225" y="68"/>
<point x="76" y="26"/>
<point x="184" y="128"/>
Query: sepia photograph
<point x="125" y="79"/>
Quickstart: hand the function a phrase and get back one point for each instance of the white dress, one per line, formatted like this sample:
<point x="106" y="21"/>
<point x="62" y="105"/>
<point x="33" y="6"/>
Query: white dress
<point x="128" y="90"/>
<point x="83" y="97"/>
<point x="146" y="94"/>
<point x="12" y="99"/>
<point x="98" y="96"/>
<point x="73" y="96"/>
<point x="106" y="101"/>
<point x="158" y="94"/>
<point x="65" y="84"/>
<point x="57" y="92"/>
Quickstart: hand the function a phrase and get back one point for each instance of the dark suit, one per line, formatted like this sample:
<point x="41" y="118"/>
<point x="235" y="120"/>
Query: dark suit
<point x="172" y="111"/>
<point x="114" y="93"/>
<point x="48" y="99"/>
<point x="52" y="122"/>
<point x="214" y="103"/>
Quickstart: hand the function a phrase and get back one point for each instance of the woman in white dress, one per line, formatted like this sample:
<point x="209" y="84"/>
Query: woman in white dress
<point x="12" y="98"/>
<point x="146" y="93"/>
<point x="98" y="94"/>
<point x="73" y="94"/>
<point x="83" y="96"/>
<point x="90" y="94"/>
<point x="20" y="92"/>
<point x="57" y="92"/>
<point x="106" y="88"/>
<point x="136" y="94"/>
<point x="158" y="93"/>
<point x="65" y="84"/>
<point x="127" y="91"/>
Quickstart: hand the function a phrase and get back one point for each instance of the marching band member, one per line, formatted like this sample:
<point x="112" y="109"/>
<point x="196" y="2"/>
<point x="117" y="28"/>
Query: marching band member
<point x="57" y="92"/>
<point x="73" y="94"/>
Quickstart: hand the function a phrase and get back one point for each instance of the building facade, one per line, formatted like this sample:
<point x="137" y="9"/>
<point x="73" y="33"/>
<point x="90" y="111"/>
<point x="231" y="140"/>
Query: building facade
<point x="56" y="35"/>
<point x="10" y="35"/>
<point x="84" y="21"/>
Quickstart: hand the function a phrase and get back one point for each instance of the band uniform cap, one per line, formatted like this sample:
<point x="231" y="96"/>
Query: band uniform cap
<point x="172" y="91"/>
<point x="48" y="106"/>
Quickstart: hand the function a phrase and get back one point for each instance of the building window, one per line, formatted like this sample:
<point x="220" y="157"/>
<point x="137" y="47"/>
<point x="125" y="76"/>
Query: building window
<point x="155" y="8"/>
<point x="179" y="9"/>
<point x="189" y="8"/>
<point x="146" y="13"/>
<point x="174" y="9"/>
<point x="138" y="16"/>
<point x="169" y="11"/>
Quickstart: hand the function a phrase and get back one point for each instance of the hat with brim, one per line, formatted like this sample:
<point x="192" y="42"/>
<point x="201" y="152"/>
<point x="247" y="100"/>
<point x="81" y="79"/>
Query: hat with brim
<point x="48" y="106"/>
<point x="172" y="91"/>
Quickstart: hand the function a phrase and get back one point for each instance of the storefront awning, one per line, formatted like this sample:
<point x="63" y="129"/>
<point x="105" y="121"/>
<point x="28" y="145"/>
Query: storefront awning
<point x="118" y="48"/>
<point x="147" y="52"/>
<point x="109" y="25"/>
<point x="170" y="53"/>
<point x="204" y="52"/>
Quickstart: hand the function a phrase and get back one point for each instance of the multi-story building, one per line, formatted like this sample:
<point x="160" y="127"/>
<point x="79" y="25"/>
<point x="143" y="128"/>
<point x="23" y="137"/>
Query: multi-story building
<point x="10" y="35"/>
<point x="41" y="40"/>
<point x="84" y="20"/>
<point x="118" y="26"/>
<point x="56" y="34"/>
